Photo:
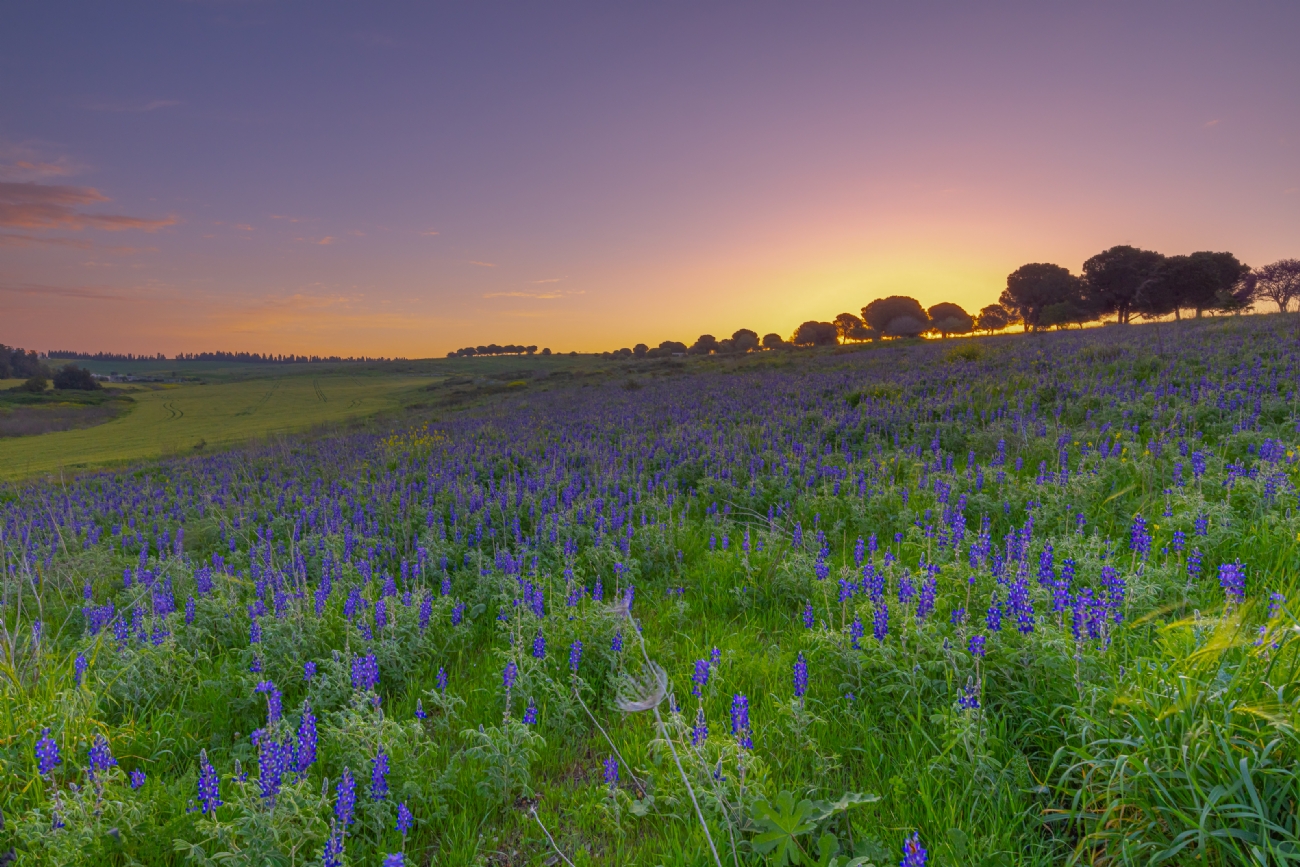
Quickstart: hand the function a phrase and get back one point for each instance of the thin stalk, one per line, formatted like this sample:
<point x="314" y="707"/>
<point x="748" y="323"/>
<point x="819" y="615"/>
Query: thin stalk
<point x="538" y="819"/>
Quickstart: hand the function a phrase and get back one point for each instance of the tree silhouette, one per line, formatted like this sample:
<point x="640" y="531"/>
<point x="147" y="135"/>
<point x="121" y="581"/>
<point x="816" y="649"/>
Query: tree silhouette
<point x="1031" y="288"/>
<point x="745" y="340"/>
<point x="994" y="317"/>
<point x="704" y="344"/>
<point x="774" y="341"/>
<point x="1114" y="277"/>
<point x="814" y="333"/>
<point x="881" y="312"/>
<point x="75" y="378"/>
<point x="845" y="324"/>
<point x="948" y="318"/>
<point x="1279" y="282"/>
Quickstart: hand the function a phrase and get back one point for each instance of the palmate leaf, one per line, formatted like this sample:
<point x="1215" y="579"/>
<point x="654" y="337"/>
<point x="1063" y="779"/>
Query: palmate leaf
<point x="782" y="822"/>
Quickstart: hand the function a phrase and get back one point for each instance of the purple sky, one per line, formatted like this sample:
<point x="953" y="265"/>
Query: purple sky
<point x="401" y="180"/>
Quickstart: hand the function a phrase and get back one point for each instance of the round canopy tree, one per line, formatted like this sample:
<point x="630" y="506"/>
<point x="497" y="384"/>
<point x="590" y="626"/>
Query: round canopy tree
<point x="948" y="318"/>
<point x="879" y="313"/>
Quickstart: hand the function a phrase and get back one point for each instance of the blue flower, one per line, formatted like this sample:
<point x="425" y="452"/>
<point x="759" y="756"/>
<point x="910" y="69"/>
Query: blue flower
<point x="530" y="713"/>
<point x="539" y="645"/>
<point x="137" y="778"/>
<point x="800" y="676"/>
<point x="575" y="655"/>
<point x="914" y="855"/>
<point x="1232" y="578"/>
<point x="306" y="739"/>
<point x="47" y="754"/>
<point x="611" y="773"/>
<point x="346" y="804"/>
<point x="100" y="756"/>
<point x="405" y="821"/>
<point x="209" y="785"/>
<point x="379" y="775"/>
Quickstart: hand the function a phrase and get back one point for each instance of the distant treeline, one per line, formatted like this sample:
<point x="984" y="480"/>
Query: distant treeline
<point x="235" y="357"/>
<point x="1122" y="282"/>
<point x="21" y="363"/>
<point x="104" y="356"/>
<point x="494" y="349"/>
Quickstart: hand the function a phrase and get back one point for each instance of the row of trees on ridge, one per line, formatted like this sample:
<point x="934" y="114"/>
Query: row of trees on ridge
<point x="1123" y="282"/>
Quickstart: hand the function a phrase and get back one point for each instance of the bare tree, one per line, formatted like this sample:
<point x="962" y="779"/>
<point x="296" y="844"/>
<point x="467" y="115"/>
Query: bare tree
<point x="1279" y="282"/>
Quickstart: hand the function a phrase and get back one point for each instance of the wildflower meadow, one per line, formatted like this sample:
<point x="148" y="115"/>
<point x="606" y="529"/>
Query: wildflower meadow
<point x="1020" y="600"/>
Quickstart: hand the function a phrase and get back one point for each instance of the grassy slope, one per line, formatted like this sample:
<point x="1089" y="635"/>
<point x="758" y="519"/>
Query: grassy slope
<point x="178" y="418"/>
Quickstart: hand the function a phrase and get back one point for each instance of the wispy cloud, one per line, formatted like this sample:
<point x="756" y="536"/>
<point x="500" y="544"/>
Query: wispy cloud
<point x="288" y="219"/>
<point x="482" y="264"/>
<point x="551" y="280"/>
<point x="135" y="107"/>
<point x="548" y="295"/>
<point x="53" y="206"/>
<point x="431" y="233"/>
<point x="243" y="227"/>
<point x="41" y="290"/>
<point x="1214" y="122"/>
<point x="31" y="240"/>
<point x="326" y="241"/>
<point x="31" y="162"/>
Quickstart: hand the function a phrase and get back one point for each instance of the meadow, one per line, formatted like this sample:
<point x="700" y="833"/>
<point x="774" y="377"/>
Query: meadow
<point x="171" y="418"/>
<point x="1014" y="600"/>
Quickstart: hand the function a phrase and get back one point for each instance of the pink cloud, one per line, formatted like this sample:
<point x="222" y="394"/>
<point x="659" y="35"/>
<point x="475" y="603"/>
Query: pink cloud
<point x="51" y="206"/>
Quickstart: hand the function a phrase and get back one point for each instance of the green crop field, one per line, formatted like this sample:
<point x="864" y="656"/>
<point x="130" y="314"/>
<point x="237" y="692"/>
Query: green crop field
<point x="181" y="418"/>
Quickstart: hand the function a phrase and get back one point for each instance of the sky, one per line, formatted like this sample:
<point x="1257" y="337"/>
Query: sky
<point x="406" y="179"/>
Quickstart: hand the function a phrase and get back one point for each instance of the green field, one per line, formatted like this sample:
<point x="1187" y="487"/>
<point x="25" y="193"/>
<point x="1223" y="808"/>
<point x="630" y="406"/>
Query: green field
<point x="172" y="419"/>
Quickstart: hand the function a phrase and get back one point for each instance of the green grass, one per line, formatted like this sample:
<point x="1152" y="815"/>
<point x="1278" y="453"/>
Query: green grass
<point x="174" y="419"/>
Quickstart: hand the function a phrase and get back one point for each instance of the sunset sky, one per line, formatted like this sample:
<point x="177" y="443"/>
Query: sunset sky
<point x="395" y="179"/>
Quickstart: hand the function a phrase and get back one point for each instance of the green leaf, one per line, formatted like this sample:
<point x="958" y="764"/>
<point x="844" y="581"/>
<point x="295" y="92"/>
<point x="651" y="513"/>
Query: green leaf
<point x="782" y="822"/>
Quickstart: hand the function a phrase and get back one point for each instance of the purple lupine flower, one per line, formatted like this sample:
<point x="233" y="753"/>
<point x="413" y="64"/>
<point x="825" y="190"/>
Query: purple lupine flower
<point x="346" y="804"/>
<point x="739" y="713"/>
<point x="396" y="859"/>
<point x="333" y="855"/>
<point x="273" y="706"/>
<point x="808" y="619"/>
<point x="255" y="632"/>
<point x="906" y="590"/>
<point x="1139" y="540"/>
<point x="381" y="614"/>
<point x="968" y="697"/>
<point x="306" y="739"/>
<point x="1194" y="565"/>
<point x="611" y="773"/>
<point x="457" y="613"/>
<point x="405" y="821"/>
<point x="880" y="622"/>
<point x="1232" y="578"/>
<point x="958" y="616"/>
<point x="209" y="785"/>
<point x="800" y="676"/>
<point x="442" y="679"/>
<point x="190" y="611"/>
<point x="926" y="603"/>
<point x="365" y="672"/>
<point x="1275" y="602"/>
<point x="426" y="610"/>
<point x="530" y="713"/>
<point x="700" y="731"/>
<point x="308" y="670"/>
<point x="575" y="655"/>
<point x="137" y="778"/>
<point x="1021" y="605"/>
<point x="617" y="644"/>
<point x="79" y="666"/>
<point x="700" y="677"/>
<point x="510" y="674"/>
<point x="914" y="855"/>
<point x="856" y="631"/>
<point x="379" y="775"/>
<point x="272" y="761"/>
<point x="100" y="756"/>
<point x="1115" y="590"/>
<point x="993" y="621"/>
<point x="47" y="754"/>
<point x="539" y="645"/>
<point x="256" y="665"/>
<point x="978" y="646"/>
<point x="419" y="709"/>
